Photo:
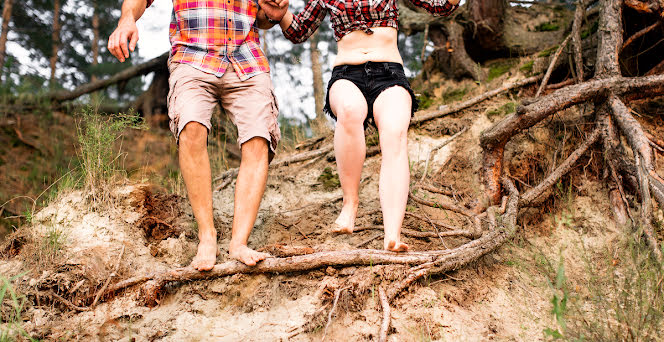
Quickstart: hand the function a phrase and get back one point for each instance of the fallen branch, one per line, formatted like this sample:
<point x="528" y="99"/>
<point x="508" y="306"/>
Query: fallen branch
<point x="418" y="234"/>
<point x="131" y="72"/>
<point x="552" y="65"/>
<point x="446" y="110"/>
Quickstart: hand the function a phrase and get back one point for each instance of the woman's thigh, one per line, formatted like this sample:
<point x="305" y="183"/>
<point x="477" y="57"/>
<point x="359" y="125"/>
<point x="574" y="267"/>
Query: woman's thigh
<point x="392" y="111"/>
<point x="347" y="102"/>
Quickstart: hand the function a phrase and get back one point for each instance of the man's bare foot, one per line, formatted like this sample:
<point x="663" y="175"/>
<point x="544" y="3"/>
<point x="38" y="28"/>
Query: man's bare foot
<point x="245" y="254"/>
<point x="207" y="254"/>
<point x="395" y="246"/>
<point x="345" y="223"/>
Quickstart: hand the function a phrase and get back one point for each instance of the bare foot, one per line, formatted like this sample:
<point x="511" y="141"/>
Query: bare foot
<point x="395" y="246"/>
<point x="345" y="223"/>
<point x="207" y="255"/>
<point x="246" y="255"/>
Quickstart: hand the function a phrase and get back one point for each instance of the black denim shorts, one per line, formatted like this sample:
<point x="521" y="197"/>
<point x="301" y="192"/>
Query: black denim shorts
<point x="371" y="78"/>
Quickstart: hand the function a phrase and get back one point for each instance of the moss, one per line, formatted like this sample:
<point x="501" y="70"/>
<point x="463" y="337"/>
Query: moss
<point x="329" y="179"/>
<point x="547" y="52"/>
<point x="498" y="69"/>
<point x="527" y="67"/>
<point x="372" y="140"/>
<point x="426" y="100"/>
<point x="547" y="27"/>
<point x="454" y="94"/>
<point x="592" y="29"/>
<point x="507" y="108"/>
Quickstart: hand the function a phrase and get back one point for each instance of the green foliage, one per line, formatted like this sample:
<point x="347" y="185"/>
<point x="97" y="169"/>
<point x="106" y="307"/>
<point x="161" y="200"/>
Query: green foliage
<point x="499" y="68"/>
<point x="527" y="67"/>
<point x="507" y="108"/>
<point x="373" y="139"/>
<point x="329" y="179"/>
<point x="97" y="136"/>
<point x="451" y="94"/>
<point x="426" y="100"/>
<point x="545" y="27"/>
<point x="11" y="320"/>
<point x="548" y="52"/>
<point x="559" y="302"/>
<point x="592" y="29"/>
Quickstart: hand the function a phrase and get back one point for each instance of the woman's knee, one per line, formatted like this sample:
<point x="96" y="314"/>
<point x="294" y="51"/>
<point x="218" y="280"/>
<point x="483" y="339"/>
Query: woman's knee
<point x="393" y="139"/>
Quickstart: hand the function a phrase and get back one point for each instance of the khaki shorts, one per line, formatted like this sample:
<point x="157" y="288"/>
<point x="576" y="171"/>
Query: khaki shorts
<point x="250" y="104"/>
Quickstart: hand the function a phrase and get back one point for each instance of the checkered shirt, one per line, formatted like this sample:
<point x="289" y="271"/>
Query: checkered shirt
<point x="353" y="15"/>
<point x="211" y="34"/>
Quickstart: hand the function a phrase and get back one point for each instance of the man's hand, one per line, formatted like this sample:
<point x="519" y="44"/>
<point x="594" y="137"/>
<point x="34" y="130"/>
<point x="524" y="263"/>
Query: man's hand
<point x="117" y="42"/>
<point x="274" y="9"/>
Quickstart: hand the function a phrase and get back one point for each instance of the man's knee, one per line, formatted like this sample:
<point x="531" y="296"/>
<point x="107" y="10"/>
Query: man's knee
<point x="194" y="134"/>
<point x="255" y="148"/>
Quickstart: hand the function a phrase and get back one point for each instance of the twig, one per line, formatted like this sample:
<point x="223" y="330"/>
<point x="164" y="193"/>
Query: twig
<point x="434" y="149"/>
<point x="361" y="244"/>
<point x="552" y="65"/>
<point x="531" y="195"/>
<point x="442" y="205"/>
<point x="385" y="325"/>
<point x="108" y="279"/>
<point x="337" y="293"/>
<point x="641" y="33"/>
<point x="64" y="301"/>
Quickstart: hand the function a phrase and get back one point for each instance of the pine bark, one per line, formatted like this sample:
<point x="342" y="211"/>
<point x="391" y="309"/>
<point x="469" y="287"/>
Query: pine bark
<point x="55" y="37"/>
<point x="6" y="17"/>
<point x="317" y="71"/>
<point x="95" y="40"/>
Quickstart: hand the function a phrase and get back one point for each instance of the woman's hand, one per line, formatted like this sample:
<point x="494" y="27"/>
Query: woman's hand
<point x="274" y="9"/>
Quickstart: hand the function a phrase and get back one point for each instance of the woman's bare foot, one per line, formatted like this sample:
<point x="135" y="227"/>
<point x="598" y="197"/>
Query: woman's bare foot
<point x="395" y="246"/>
<point x="206" y="256"/>
<point x="245" y="254"/>
<point x="345" y="223"/>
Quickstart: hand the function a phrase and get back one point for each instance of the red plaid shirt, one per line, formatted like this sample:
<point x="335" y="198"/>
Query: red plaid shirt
<point x="209" y="35"/>
<point x="353" y="15"/>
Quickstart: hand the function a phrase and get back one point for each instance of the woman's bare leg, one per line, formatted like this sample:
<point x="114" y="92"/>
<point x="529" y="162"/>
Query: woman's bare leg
<point x="392" y="111"/>
<point x="350" y="107"/>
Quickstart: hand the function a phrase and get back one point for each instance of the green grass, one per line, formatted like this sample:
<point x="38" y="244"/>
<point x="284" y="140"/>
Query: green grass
<point x="507" y="108"/>
<point x="499" y="68"/>
<point x="592" y="29"/>
<point x="547" y="27"/>
<point x="548" y="52"/>
<point x="426" y="100"/>
<point x="527" y="67"/>
<point x="101" y="157"/>
<point x="11" y="319"/>
<point x="329" y="179"/>
<point x="451" y="95"/>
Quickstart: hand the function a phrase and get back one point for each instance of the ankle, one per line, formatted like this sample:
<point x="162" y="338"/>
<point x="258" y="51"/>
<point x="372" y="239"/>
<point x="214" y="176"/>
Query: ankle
<point x="236" y="244"/>
<point x="207" y="235"/>
<point x="353" y="202"/>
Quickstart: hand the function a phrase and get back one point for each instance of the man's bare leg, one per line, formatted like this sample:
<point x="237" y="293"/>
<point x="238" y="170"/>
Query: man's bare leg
<point x="350" y="107"/>
<point x="249" y="190"/>
<point x="195" y="167"/>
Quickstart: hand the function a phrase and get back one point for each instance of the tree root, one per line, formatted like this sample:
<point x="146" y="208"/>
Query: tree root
<point x="385" y="325"/>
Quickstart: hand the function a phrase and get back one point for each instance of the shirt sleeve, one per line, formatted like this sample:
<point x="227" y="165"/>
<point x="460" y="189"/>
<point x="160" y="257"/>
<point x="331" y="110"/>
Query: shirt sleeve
<point x="436" y="7"/>
<point x="305" y="23"/>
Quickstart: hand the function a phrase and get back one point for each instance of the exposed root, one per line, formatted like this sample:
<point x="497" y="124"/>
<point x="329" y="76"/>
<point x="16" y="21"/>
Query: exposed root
<point x="552" y="65"/>
<point x="385" y="324"/>
<point x="337" y="293"/>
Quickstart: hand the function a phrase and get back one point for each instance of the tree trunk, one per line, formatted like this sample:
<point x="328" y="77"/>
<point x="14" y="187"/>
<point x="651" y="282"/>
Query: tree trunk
<point x="487" y="16"/>
<point x="6" y="17"/>
<point x="317" y="71"/>
<point x="95" y="41"/>
<point x="55" y="38"/>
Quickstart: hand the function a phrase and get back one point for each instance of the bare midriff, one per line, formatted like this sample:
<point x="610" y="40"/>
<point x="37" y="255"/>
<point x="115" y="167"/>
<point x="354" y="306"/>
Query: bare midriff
<point x="359" y="47"/>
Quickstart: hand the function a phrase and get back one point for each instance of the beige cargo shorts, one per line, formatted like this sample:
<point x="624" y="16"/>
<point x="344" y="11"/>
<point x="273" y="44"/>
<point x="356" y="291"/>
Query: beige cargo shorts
<point x="250" y="104"/>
